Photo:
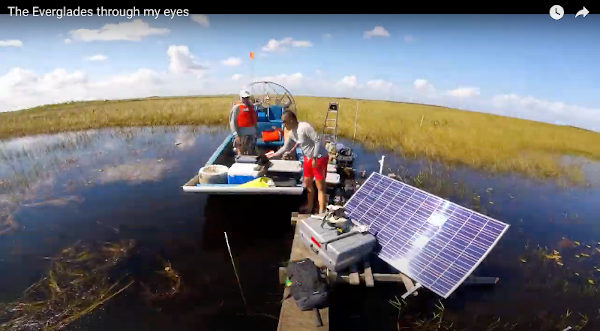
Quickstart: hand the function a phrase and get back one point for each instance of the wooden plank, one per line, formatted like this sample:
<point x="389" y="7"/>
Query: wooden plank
<point x="296" y="217"/>
<point x="474" y="280"/>
<point x="369" y="280"/>
<point x="389" y="278"/>
<point x="334" y="277"/>
<point x="408" y="283"/>
<point x="412" y="291"/>
<point x="290" y="317"/>
<point x="354" y="279"/>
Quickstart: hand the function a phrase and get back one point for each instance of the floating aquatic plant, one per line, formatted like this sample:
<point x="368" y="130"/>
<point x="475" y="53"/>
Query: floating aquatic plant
<point x="563" y="274"/>
<point x="77" y="282"/>
<point x="163" y="284"/>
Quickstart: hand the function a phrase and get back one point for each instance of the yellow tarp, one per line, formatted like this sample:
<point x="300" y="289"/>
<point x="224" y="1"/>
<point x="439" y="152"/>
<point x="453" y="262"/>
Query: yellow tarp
<point x="258" y="182"/>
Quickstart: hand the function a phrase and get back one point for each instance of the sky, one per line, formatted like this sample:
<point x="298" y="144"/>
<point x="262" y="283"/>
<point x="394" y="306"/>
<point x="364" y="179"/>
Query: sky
<point x="525" y="66"/>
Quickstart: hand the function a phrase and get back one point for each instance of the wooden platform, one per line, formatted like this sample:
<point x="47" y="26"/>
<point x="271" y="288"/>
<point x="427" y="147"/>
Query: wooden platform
<point x="290" y="317"/>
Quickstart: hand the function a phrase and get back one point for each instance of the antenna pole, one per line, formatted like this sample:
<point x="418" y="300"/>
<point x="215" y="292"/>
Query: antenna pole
<point x="355" y="122"/>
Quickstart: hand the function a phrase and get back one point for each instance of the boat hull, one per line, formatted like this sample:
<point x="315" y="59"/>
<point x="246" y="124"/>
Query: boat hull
<point x="194" y="186"/>
<point x="233" y="189"/>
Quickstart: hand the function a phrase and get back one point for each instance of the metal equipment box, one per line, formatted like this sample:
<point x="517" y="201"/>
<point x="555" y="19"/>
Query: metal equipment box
<point x="336" y="251"/>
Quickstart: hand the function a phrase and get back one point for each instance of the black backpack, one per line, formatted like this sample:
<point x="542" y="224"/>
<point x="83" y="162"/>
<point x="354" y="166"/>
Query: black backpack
<point x="309" y="289"/>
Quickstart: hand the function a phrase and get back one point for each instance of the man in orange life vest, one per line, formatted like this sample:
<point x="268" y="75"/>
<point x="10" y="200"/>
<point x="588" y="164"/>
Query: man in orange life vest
<point x="242" y="122"/>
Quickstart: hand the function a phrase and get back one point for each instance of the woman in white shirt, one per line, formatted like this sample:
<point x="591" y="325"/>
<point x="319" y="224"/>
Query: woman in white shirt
<point x="314" y="165"/>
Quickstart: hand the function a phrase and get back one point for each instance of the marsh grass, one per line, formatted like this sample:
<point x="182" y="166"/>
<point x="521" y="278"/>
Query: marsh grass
<point x="493" y="143"/>
<point x="78" y="281"/>
<point x="436" y="319"/>
<point x="436" y="180"/>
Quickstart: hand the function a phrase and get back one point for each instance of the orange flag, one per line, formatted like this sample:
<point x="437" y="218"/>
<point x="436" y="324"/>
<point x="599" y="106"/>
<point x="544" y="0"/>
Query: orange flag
<point x="251" y="55"/>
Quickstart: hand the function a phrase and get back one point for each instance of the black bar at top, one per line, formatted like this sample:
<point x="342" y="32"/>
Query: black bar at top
<point x="326" y="7"/>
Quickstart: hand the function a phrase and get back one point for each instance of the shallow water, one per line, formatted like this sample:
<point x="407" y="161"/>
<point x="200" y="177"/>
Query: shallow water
<point x="106" y="185"/>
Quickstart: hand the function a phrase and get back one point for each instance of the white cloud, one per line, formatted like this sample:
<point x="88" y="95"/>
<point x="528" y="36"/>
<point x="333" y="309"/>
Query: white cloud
<point x="201" y="19"/>
<point x="380" y="85"/>
<point x="11" y="43"/>
<point x="378" y="31"/>
<point x="24" y="88"/>
<point x="420" y="84"/>
<point x="327" y="36"/>
<point x="21" y="88"/>
<point x="68" y="41"/>
<point x="301" y="43"/>
<point x="131" y="31"/>
<point x="423" y="85"/>
<point x="61" y="78"/>
<point x="464" y="92"/>
<point x="181" y="61"/>
<point x="272" y="46"/>
<point x="98" y="57"/>
<point x="236" y="77"/>
<point x="281" y="45"/>
<point x="409" y="38"/>
<point x="16" y="77"/>
<point x="348" y="81"/>
<point x="232" y="62"/>
<point x="140" y="83"/>
<point x="139" y="78"/>
<point x="291" y="80"/>
<point x="546" y="111"/>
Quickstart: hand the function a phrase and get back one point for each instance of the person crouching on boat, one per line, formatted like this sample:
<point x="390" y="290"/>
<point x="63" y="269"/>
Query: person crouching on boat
<point x="314" y="165"/>
<point x="242" y="122"/>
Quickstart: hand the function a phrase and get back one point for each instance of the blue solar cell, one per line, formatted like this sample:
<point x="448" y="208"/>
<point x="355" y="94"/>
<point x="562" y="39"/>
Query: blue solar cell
<point x="434" y="241"/>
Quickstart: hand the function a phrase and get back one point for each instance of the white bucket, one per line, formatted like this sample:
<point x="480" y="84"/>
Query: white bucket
<point x="213" y="174"/>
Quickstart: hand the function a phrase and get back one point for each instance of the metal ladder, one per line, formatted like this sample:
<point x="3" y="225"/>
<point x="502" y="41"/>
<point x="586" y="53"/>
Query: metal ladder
<point x="330" y="126"/>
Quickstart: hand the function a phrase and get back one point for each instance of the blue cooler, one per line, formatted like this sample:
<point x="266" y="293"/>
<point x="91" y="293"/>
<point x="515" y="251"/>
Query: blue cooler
<point x="240" y="173"/>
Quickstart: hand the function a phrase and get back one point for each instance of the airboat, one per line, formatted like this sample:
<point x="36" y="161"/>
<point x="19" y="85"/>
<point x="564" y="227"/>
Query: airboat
<point x="226" y="173"/>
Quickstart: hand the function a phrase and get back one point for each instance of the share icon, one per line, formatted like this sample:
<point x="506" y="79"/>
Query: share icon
<point x="582" y="12"/>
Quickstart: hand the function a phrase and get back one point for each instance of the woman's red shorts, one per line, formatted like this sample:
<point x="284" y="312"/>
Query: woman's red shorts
<point x="319" y="172"/>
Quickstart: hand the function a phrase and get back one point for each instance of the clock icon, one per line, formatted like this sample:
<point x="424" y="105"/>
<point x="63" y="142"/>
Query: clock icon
<point x="557" y="12"/>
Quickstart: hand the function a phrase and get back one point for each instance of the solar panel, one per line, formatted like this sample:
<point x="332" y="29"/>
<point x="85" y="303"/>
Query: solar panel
<point x="431" y="240"/>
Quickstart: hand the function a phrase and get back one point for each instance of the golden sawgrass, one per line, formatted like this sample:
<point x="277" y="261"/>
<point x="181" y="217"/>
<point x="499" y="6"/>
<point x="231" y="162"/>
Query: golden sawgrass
<point x="483" y="141"/>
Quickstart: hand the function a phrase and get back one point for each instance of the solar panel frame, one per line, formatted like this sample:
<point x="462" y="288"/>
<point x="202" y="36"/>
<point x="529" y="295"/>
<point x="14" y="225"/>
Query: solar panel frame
<point x="477" y="253"/>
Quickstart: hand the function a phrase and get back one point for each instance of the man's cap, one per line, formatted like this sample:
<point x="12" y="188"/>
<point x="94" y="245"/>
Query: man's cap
<point x="244" y="93"/>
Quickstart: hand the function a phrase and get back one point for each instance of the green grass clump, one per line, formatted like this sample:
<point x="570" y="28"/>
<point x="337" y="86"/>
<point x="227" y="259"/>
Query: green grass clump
<point x="77" y="282"/>
<point x="483" y="141"/>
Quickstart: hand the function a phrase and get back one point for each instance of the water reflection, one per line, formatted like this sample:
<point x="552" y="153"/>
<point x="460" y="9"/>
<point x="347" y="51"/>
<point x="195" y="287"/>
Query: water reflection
<point x="136" y="173"/>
